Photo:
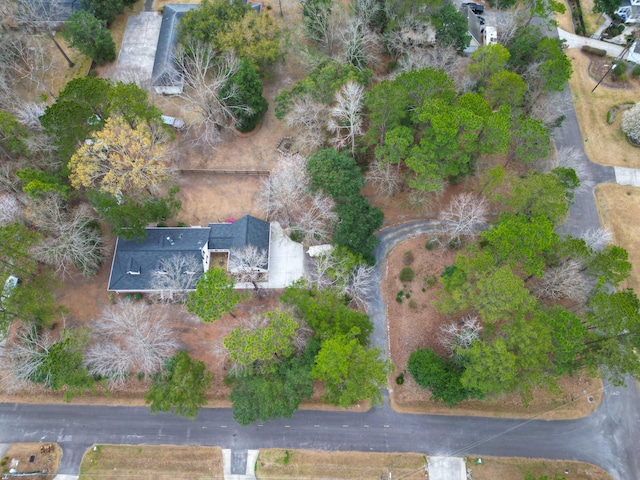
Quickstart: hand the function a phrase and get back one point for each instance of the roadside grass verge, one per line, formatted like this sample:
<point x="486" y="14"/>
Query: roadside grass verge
<point x="114" y="462"/>
<point x="619" y="208"/>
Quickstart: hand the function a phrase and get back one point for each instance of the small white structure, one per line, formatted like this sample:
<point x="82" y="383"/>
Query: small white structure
<point x="490" y="35"/>
<point x="319" y="250"/>
<point x="174" y="122"/>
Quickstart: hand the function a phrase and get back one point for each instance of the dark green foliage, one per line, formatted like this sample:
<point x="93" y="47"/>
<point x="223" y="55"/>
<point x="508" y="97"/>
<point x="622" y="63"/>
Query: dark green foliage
<point x="316" y="16"/>
<point x="105" y="10"/>
<point x="214" y="295"/>
<point x="129" y="217"/>
<point x="181" y="387"/>
<point x="441" y="376"/>
<point x="37" y="183"/>
<point x="327" y="313"/>
<point x="635" y="72"/>
<point x="522" y="48"/>
<point x="593" y="50"/>
<point x="407" y="274"/>
<point x="321" y="83"/>
<point x="336" y="173"/>
<point x="62" y="365"/>
<point x="33" y="299"/>
<point x="451" y="28"/>
<point x="90" y="36"/>
<point x="531" y="139"/>
<point x="610" y="265"/>
<point x="12" y="136"/>
<point x="619" y="69"/>
<point x="355" y="230"/>
<point x="249" y="94"/>
<point x="272" y="396"/>
<point x="555" y="68"/>
<point x="521" y="242"/>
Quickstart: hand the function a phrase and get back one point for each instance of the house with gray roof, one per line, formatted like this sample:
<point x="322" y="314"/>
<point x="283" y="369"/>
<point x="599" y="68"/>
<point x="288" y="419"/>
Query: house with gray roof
<point x="136" y="262"/>
<point x="165" y="78"/>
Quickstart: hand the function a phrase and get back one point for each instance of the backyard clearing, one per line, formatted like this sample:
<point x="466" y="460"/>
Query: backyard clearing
<point x="619" y="208"/>
<point x="41" y="459"/>
<point x="114" y="462"/>
<point x="414" y="323"/>
<point x="313" y="464"/>
<point x="603" y="143"/>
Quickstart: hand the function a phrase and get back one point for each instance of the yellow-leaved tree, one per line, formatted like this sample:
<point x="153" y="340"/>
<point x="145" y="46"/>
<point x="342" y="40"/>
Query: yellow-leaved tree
<point x="121" y="160"/>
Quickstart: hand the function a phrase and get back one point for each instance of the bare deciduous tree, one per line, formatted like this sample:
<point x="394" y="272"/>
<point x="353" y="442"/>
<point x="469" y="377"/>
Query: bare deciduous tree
<point x="205" y="73"/>
<point x="440" y="56"/>
<point x="346" y="116"/>
<point x="460" y="335"/>
<point x="71" y="241"/>
<point x="127" y="338"/>
<point x="465" y="216"/>
<point x="563" y="281"/>
<point x="248" y="264"/>
<point x="362" y="284"/>
<point x="24" y="355"/>
<point x="385" y="176"/>
<point x="286" y="199"/>
<point x="175" y="277"/>
<point x="597" y="238"/>
<point x="10" y="209"/>
<point x="360" y="46"/>
<point x="309" y="117"/>
<point x="510" y="21"/>
<point x="573" y="158"/>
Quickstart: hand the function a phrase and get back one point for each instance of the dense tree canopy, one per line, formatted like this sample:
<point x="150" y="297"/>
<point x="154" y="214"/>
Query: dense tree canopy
<point x="90" y="36"/>
<point x="181" y="387"/>
<point x="214" y="295"/>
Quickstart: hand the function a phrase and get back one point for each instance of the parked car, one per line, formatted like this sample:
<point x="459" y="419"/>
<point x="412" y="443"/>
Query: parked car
<point x="475" y="7"/>
<point x="481" y="19"/>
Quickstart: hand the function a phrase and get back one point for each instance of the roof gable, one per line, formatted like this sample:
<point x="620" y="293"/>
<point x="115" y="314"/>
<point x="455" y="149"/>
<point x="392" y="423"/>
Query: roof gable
<point x="164" y="72"/>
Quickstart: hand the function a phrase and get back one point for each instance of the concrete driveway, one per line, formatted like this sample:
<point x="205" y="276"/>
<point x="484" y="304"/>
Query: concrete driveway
<point x="286" y="260"/>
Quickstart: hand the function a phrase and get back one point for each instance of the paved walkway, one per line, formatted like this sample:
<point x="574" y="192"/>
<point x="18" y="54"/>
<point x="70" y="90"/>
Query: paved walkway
<point x="576" y="41"/>
<point x="239" y="464"/>
<point x="627" y="176"/>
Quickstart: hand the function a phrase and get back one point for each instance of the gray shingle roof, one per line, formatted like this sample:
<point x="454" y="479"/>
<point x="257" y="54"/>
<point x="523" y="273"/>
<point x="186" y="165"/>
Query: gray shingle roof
<point x="164" y="73"/>
<point x="246" y="231"/>
<point x="134" y="262"/>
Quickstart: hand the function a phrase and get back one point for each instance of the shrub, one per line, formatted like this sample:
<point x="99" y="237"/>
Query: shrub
<point x="636" y="71"/>
<point x="413" y="305"/>
<point x="594" y="51"/>
<point x="400" y="296"/>
<point x="430" y="281"/>
<point x="400" y="379"/>
<point x="432" y="243"/>
<point x="407" y="274"/>
<point x="408" y="258"/>
<point x="619" y="69"/>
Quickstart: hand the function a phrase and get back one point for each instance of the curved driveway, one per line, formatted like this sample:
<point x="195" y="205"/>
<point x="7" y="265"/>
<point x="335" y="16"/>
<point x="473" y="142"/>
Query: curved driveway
<point x="609" y="438"/>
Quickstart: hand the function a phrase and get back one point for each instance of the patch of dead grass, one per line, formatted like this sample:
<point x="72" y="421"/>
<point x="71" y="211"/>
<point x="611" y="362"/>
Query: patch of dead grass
<point x="301" y="464"/>
<point x="619" y="208"/>
<point x="504" y="468"/>
<point x="114" y="462"/>
<point x="603" y="143"/>
<point x="591" y="20"/>
<point x="314" y="464"/>
<point x="564" y="20"/>
<point x="46" y="460"/>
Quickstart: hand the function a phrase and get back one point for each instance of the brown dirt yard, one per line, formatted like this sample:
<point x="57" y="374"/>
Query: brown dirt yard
<point x="41" y="458"/>
<point x="603" y="143"/>
<point x="114" y="462"/>
<point x="414" y="323"/>
<point x="313" y="464"/>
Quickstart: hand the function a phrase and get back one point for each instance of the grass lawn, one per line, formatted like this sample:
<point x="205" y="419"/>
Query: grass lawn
<point x="603" y="143"/>
<point x="619" y="207"/>
<point x="114" y="462"/>
<point x="313" y="464"/>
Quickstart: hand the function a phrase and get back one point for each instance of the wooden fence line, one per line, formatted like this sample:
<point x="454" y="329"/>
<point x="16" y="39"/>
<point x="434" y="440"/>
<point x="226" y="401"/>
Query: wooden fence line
<point x="213" y="171"/>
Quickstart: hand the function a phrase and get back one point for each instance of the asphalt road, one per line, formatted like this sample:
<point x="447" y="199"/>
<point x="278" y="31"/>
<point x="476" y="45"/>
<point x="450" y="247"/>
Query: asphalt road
<point x="607" y="438"/>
